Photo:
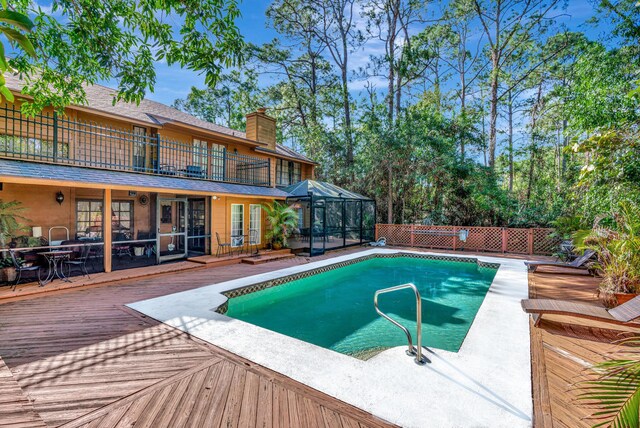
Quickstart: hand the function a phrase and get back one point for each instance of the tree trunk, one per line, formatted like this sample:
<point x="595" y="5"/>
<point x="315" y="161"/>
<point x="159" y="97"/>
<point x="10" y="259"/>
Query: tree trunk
<point x="390" y="195"/>
<point x="510" y="113"/>
<point x="493" y="116"/>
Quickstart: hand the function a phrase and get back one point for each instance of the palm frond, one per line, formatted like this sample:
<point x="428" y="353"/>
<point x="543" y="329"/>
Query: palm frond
<point x="613" y="391"/>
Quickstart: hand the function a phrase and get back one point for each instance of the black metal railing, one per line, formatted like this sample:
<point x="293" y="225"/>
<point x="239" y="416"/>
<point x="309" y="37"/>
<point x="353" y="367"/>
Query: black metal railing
<point x="49" y="137"/>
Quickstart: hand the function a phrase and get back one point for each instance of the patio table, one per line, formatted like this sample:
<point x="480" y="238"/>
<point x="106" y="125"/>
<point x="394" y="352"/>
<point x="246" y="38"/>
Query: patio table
<point x="55" y="258"/>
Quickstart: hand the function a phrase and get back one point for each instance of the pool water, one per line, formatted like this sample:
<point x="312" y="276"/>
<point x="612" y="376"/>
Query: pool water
<point x="334" y="309"/>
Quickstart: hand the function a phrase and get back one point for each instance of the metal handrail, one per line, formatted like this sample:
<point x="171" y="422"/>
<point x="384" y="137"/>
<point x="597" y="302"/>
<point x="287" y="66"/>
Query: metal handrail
<point x="411" y="351"/>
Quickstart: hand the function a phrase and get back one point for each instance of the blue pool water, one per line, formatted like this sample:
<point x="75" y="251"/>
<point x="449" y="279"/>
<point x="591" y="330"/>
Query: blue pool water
<point x="335" y="309"/>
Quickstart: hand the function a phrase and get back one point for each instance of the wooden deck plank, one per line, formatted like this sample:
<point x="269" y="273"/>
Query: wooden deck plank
<point x="231" y="412"/>
<point x="249" y="401"/>
<point x="265" y="403"/>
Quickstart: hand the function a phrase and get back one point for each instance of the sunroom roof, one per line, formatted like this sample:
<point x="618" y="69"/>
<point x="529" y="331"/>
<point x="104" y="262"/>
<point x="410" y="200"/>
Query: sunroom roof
<point x="321" y="189"/>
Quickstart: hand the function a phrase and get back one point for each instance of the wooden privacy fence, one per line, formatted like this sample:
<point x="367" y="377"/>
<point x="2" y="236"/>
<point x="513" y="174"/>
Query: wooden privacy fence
<point x="531" y="241"/>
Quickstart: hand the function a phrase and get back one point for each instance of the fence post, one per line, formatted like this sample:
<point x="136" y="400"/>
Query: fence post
<point x="376" y="232"/>
<point x="413" y="227"/>
<point x="455" y="238"/>
<point x="530" y="241"/>
<point x="157" y="153"/>
<point x="55" y="136"/>
<point x="505" y="239"/>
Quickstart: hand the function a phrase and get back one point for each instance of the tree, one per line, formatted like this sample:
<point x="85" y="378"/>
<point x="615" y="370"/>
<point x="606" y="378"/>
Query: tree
<point x="507" y="25"/>
<point x="85" y="42"/>
<point x="227" y="102"/>
<point x="338" y="34"/>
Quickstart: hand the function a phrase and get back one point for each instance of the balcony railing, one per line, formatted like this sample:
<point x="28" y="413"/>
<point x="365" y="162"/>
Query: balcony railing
<point x="51" y="138"/>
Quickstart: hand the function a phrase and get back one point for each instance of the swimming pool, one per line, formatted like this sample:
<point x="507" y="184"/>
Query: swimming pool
<point x="334" y="308"/>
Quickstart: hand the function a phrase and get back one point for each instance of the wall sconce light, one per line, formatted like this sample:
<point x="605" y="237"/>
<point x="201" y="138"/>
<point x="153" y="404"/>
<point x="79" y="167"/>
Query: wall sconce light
<point x="215" y="198"/>
<point x="60" y="198"/>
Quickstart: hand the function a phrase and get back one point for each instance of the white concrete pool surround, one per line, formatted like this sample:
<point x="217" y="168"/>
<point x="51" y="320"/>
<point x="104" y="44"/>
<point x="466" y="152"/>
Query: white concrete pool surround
<point x="486" y="384"/>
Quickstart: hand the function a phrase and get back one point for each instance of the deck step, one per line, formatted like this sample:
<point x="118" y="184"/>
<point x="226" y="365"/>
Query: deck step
<point x="256" y="260"/>
<point x="239" y="258"/>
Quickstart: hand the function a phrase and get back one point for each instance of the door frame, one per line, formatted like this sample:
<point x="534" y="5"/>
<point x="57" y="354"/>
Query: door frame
<point x="159" y="257"/>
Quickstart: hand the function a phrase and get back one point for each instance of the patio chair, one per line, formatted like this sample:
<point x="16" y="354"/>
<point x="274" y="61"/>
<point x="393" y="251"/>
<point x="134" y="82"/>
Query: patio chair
<point x="222" y="246"/>
<point x="621" y="314"/>
<point x="381" y="242"/>
<point x="578" y="263"/>
<point x="20" y="268"/>
<point x="194" y="171"/>
<point x="254" y="239"/>
<point x="80" y="261"/>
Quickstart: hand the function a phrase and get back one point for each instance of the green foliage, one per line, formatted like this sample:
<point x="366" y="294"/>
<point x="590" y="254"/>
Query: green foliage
<point x="614" y="392"/>
<point x="88" y="41"/>
<point x="10" y="220"/>
<point x="281" y="220"/>
<point x="565" y="227"/>
<point x="13" y="25"/>
<point x="618" y="249"/>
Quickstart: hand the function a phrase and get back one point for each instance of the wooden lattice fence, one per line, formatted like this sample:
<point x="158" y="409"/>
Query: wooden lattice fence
<point x="539" y="241"/>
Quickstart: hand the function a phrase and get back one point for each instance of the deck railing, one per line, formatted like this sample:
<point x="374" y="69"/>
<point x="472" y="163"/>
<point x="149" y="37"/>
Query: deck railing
<point x="49" y="137"/>
<point x="539" y="241"/>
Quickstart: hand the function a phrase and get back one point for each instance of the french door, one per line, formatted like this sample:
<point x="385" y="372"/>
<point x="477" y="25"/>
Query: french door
<point x="171" y="239"/>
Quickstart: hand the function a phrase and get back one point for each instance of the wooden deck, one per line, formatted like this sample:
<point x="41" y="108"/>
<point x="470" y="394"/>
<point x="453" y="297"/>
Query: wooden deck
<point x="563" y="348"/>
<point x="81" y="358"/>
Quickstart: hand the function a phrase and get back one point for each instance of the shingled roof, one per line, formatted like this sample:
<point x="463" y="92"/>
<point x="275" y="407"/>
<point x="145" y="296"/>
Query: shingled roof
<point x="118" y="179"/>
<point x="100" y="98"/>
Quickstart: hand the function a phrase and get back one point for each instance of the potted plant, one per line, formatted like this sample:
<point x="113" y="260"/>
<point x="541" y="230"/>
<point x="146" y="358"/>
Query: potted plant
<point x="10" y="223"/>
<point x="618" y="249"/>
<point x="281" y="221"/>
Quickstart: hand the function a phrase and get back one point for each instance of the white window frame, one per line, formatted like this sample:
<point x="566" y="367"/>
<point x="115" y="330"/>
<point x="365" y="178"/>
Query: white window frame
<point x="252" y="221"/>
<point x="235" y="242"/>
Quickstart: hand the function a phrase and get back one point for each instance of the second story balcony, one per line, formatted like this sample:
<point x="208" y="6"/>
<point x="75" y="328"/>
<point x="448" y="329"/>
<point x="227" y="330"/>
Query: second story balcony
<point x="53" y="138"/>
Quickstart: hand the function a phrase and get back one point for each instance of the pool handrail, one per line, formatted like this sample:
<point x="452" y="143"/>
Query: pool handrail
<point x="411" y="351"/>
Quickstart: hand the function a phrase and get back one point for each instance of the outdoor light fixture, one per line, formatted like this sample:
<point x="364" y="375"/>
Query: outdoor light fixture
<point x="215" y="198"/>
<point x="60" y="198"/>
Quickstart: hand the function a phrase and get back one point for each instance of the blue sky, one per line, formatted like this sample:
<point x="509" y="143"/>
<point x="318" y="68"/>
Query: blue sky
<point x="173" y="82"/>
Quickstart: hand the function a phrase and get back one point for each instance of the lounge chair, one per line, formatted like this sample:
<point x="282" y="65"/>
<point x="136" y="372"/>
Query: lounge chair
<point x="578" y="263"/>
<point x="621" y="314"/>
<point x="381" y="242"/>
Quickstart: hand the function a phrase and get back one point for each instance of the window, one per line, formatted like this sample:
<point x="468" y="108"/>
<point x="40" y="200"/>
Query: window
<point x="218" y="152"/>
<point x="122" y="219"/>
<point x="200" y="158"/>
<point x="255" y="222"/>
<point x="237" y="225"/>
<point x="287" y="172"/>
<point x="89" y="219"/>
<point x="139" y="148"/>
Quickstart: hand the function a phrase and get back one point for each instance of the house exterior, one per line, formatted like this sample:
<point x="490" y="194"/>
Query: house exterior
<point x="176" y="185"/>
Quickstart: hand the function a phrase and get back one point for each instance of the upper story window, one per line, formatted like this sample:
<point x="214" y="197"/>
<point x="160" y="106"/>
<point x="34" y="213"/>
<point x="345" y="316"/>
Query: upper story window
<point x="287" y="172"/>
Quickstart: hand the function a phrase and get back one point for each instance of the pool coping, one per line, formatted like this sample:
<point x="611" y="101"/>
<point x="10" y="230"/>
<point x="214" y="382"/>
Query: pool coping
<point x="490" y="374"/>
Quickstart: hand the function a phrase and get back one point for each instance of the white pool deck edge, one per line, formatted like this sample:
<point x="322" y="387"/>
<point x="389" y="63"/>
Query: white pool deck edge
<point x="486" y="384"/>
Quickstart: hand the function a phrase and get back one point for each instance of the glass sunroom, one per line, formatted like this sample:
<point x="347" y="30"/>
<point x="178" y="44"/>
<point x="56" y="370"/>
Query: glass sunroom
<point x="329" y="217"/>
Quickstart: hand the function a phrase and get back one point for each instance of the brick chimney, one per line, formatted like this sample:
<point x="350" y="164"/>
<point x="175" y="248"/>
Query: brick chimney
<point x="262" y="128"/>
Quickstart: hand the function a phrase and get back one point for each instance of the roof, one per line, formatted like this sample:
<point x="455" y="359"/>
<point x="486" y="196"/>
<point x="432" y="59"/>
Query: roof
<point x="321" y="189"/>
<point x="64" y="173"/>
<point x="100" y="98"/>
